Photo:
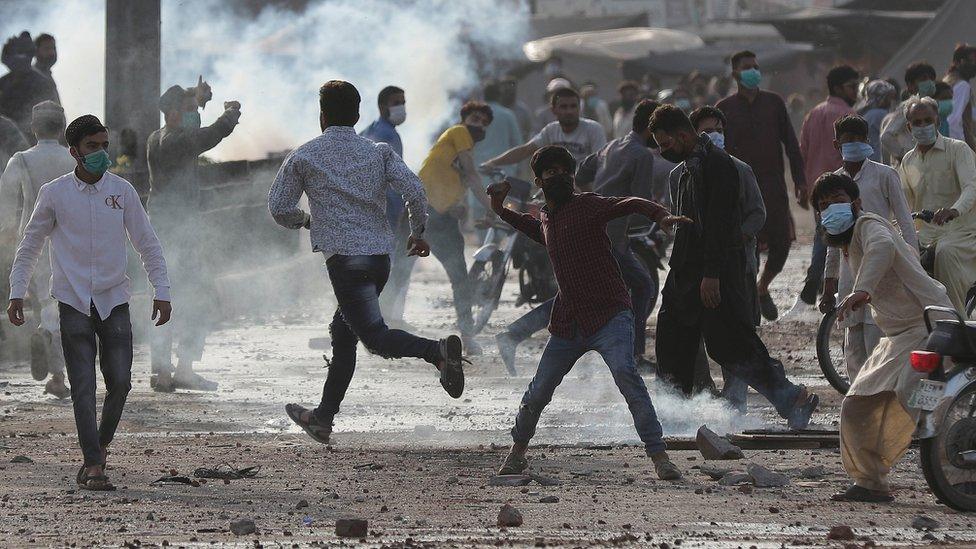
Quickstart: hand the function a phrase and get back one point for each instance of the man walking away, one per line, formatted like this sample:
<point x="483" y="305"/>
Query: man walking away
<point x="820" y="156"/>
<point x="174" y="200"/>
<point x="880" y="193"/>
<point x="705" y="295"/>
<point x="962" y="70"/>
<point x="20" y="184"/>
<point x="90" y="283"/>
<point x="592" y="311"/>
<point x="345" y="178"/>
<point x="758" y="133"/>
<point x="876" y="424"/>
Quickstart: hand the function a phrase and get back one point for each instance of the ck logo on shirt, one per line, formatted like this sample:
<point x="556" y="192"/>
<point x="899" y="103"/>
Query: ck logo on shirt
<point x="112" y="201"/>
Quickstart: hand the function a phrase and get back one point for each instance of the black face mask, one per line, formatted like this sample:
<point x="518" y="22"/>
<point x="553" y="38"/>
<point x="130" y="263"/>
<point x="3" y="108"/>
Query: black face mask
<point x="558" y="189"/>
<point x="477" y="132"/>
<point x="673" y="156"/>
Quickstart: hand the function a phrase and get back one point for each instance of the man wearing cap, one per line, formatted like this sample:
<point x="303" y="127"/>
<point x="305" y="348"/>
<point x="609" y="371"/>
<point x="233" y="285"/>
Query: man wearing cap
<point x="174" y="202"/>
<point x="20" y="183"/>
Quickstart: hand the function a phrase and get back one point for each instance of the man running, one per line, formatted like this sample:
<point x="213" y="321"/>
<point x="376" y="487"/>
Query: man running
<point x="345" y="178"/>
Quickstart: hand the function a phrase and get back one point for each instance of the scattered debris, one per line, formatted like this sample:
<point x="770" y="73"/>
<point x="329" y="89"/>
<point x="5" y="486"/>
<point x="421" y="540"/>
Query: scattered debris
<point x="734" y="478"/>
<point x="351" y="528"/>
<point x="922" y="522"/>
<point x="549" y="499"/>
<point x="546" y="481"/>
<point x="302" y="503"/>
<point x="713" y="446"/>
<point x="715" y="472"/>
<point x="509" y="516"/>
<point x="21" y="459"/>
<point x="243" y="527"/>
<point x="816" y="471"/>
<point x="841" y="532"/>
<point x="764" y="478"/>
<point x="227" y="472"/>
<point x="174" y="479"/>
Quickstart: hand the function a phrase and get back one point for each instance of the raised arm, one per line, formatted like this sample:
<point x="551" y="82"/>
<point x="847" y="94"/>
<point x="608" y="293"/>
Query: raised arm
<point x="522" y="222"/>
<point x="611" y="207"/>
<point x="146" y="243"/>
<point x="514" y="155"/>
<point x="285" y="192"/>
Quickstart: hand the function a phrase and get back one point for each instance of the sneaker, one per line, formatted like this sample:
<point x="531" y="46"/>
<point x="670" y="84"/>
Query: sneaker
<point x="800" y="416"/>
<point x="55" y="386"/>
<point x="506" y="349"/>
<point x="666" y="470"/>
<point x="452" y="371"/>
<point x="193" y="381"/>
<point x="471" y="347"/>
<point x="162" y="383"/>
<point x="38" y="357"/>
<point x="809" y="293"/>
<point x="767" y="307"/>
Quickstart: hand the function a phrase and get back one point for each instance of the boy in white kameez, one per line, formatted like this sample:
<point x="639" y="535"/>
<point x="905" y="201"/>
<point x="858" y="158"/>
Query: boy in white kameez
<point x="876" y="424"/>
<point x="880" y="193"/>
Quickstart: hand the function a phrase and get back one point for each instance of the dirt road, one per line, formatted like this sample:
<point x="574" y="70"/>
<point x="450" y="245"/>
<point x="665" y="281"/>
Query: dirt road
<point x="417" y="464"/>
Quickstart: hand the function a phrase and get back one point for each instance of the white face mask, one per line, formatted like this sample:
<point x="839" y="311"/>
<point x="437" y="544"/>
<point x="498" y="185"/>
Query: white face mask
<point x="398" y="113"/>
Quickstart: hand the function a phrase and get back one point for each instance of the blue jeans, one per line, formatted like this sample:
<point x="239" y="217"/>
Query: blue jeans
<point x="614" y="342"/>
<point x="114" y="349"/>
<point x="357" y="281"/>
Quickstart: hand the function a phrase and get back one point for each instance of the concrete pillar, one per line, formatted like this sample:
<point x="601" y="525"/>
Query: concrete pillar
<point x="132" y="44"/>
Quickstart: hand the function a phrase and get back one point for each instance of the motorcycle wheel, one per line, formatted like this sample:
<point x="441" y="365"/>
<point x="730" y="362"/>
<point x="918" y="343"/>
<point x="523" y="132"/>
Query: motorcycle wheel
<point x="487" y="279"/>
<point x="830" y="353"/>
<point x="951" y="477"/>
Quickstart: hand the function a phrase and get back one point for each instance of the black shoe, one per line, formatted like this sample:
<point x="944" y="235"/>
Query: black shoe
<point x="767" y="307"/>
<point x="863" y="495"/>
<point x="808" y="294"/>
<point x="452" y="372"/>
<point x="506" y="349"/>
<point x="320" y="431"/>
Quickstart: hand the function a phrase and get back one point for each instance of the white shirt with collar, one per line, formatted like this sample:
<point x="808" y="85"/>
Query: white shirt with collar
<point x="88" y="225"/>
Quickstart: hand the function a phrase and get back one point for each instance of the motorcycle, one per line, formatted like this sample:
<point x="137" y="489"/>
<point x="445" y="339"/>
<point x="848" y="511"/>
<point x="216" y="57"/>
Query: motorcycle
<point x="830" y="337"/>
<point x="946" y="428"/>
<point x="504" y="246"/>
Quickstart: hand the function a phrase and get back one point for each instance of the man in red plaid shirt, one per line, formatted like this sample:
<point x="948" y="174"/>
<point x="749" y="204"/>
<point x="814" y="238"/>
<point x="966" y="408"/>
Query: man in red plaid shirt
<point x="592" y="311"/>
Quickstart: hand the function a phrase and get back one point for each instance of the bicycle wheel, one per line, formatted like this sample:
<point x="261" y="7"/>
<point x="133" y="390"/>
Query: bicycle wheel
<point x="947" y="458"/>
<point x="830" y="353"/>
<point x="487" y="279"/>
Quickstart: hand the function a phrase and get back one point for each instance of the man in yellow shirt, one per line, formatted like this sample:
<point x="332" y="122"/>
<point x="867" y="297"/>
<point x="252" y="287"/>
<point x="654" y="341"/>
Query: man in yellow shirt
<point x="448" y="173"/>
<point x="939" y="174"/>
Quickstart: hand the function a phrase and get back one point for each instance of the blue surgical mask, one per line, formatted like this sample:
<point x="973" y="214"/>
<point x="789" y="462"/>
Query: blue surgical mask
<point x="945" y="108"/>
<point x="191" y="120"/>
<point x="837" y="218"/>
<point x="924" y="135"/>
<point x="855" y="151"/>
<point x="926" y="88"/>
<point x="718" y="139"/>
<point x="97" y="162"/>
<point x="750" y="78"/>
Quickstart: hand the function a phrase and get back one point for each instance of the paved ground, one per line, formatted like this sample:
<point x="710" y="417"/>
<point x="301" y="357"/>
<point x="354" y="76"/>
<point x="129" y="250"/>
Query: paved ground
<point x="417" y="464"/>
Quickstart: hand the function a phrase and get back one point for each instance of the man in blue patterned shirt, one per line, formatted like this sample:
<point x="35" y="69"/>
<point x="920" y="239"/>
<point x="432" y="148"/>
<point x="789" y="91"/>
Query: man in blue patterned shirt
<point x="346" y="178"/>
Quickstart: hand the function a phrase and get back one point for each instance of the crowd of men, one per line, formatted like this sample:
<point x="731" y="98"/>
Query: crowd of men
<point x="712" y="177"/>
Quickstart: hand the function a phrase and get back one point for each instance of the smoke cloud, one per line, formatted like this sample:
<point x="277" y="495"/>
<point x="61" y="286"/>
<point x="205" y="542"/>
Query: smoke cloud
<point x="274" y="62"/>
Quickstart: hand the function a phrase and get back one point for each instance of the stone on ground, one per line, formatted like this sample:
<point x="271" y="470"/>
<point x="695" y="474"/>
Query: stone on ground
<point x="713" y="446"/>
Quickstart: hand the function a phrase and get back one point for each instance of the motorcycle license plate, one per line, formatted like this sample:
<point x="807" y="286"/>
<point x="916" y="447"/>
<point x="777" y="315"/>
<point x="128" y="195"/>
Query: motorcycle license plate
<point x="927" y="395"/>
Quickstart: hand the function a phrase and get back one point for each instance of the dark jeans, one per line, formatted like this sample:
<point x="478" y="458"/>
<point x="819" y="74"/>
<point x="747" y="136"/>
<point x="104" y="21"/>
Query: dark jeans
<point x="357" y="281"/>
<point x="114" y="349"/>
<point x="729" y="335"/>
<point x="447" y="244"/>
<point x="818" y="261"/>
<point x="614" y="343"/>
<point x="643" y="291"/>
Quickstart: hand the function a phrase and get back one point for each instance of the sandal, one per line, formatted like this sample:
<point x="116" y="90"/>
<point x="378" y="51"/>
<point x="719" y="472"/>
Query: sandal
<point x="318" y="431"/>
<point x="863" y="495"/>
<point x="514" y="465"/>
<point x="97" y="483"/>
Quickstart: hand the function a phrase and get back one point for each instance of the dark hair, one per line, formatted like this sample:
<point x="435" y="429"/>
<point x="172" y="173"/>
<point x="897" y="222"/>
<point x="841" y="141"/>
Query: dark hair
<point x="628" y="84"/>
<point x="962" y="52"/>
<point x="852" y="124"/>
<point x="838" y="75"/>
<point x="492" y="91"/>
<point x="642" y="114"/>
<point x="563" y="92"/>
<point x="707" y="111"/>
<point x="830" y="182"/>
<point x="918" y="71"/>
<point x="43" y="37"/>
<point x="669" y="119"/>
<point x="386" y="93"/>
<point x="82" y="127"/>
<point x="740" y="55"/>
<point x="476" y="106"/>
<point x="339" y="102"/>
<point x="550" y="156"/>
<point x="941" y="86"/>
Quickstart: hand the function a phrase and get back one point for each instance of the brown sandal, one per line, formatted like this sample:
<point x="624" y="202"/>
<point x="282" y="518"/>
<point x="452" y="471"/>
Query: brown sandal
<point x="97" y="483"/>
<point x="318" y="431"/>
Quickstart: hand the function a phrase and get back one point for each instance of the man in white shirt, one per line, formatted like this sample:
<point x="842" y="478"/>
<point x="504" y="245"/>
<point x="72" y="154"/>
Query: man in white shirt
<point x="880" y="193"/>
<point x="86" y="215"/>
<point x="962" y="70"/>
<point x="20" y="183"/>
<point x="623" y="117"/>
<point x="580" y="136"/>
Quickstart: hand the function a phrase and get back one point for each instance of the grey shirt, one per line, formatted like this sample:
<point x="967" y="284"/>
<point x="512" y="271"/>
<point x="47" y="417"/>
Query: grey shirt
<point x="345" y="177"/>
<point x="751" y="207"/>
<point x="623" y="167"/>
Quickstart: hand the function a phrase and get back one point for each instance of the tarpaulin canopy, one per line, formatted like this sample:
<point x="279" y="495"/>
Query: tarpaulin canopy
<point x="934" y="41"/>
<point x="618" y="44"/>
